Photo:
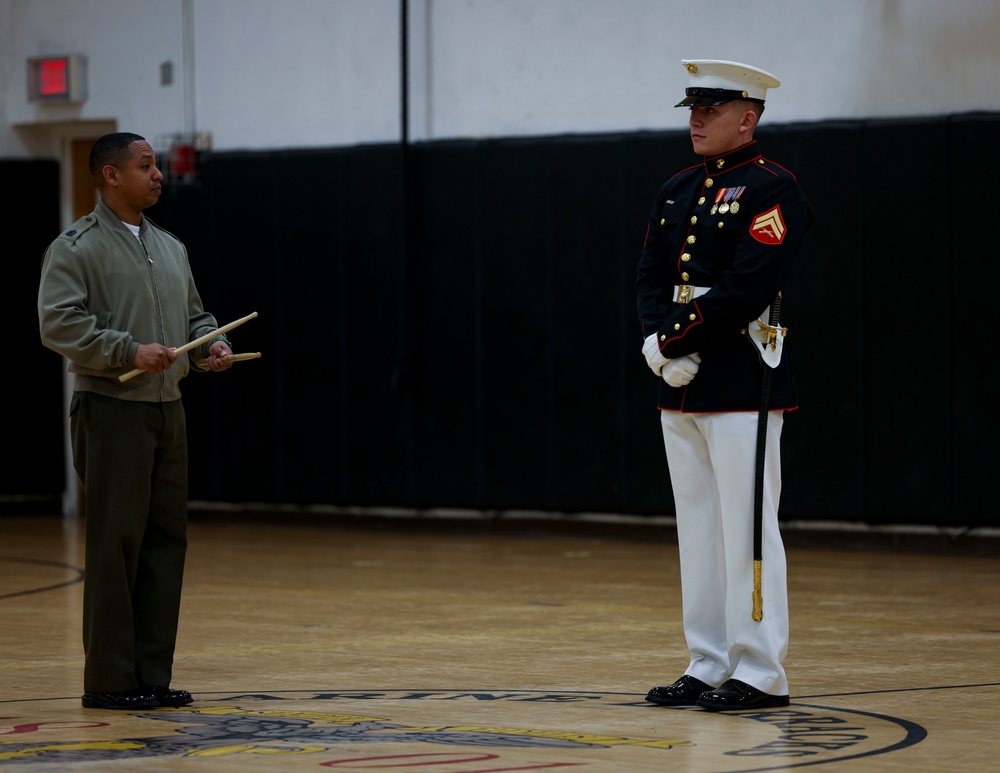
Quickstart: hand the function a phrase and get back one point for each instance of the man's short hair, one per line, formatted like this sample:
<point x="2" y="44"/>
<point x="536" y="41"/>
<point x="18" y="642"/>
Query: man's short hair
<point x="111" y="149"/>
<point x="757" y="107"/>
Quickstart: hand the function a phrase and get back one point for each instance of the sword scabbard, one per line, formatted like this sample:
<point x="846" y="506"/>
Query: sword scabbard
<point x="757" y="613"/>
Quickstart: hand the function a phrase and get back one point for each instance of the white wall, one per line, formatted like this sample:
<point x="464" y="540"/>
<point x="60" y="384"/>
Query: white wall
<point x="260" y="74"/>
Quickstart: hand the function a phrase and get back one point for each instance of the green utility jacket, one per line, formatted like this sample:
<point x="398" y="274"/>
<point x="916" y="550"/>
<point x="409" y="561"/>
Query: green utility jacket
<point x="103" y="292"/>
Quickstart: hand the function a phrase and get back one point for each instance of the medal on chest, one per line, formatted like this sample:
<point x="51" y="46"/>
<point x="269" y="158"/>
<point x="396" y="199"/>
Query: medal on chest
<point x="727" y="200"/>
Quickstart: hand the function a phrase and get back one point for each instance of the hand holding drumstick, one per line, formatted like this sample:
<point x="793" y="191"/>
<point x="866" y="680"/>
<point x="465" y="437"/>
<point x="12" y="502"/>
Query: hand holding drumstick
<point x="155" y="358"/>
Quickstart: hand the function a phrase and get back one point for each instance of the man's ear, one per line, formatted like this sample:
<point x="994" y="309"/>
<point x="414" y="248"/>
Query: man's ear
<point x="749" y="121"/>
<point x="110" y="175"/>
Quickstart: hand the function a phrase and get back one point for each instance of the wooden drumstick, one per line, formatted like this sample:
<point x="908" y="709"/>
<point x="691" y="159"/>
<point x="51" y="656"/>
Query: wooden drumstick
<point x="240" y="357"/>
<point x="197" y="342"/>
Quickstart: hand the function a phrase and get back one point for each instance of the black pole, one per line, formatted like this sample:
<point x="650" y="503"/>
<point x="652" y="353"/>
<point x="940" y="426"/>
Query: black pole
<point x="408" y="199"/>
<point x="404" y="60"/>
<point x="408" y="202"/>
<point x="402" y="380"/>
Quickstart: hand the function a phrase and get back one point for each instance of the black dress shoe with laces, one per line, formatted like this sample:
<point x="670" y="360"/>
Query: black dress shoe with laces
<point x="167" y="697"/>
<point x="735" y="695"/>
<point x="683" y="692"/>
<point x="138" y="698"/>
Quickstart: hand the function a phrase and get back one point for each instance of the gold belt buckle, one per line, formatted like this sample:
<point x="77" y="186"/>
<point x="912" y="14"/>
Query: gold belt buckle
<point x="684" y="293"/>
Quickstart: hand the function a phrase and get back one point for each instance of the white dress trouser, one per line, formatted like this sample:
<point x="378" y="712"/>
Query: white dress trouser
<point x="711" y="457"/>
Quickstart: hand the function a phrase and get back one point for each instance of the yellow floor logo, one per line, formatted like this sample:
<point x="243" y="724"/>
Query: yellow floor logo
<point x="442" y="730"/>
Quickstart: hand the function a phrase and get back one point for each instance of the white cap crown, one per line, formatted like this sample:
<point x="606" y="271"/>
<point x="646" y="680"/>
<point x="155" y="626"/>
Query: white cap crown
<point x="715" y="81"/>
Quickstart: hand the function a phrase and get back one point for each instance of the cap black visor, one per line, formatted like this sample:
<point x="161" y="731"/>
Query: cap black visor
<point x="704" y="97"/>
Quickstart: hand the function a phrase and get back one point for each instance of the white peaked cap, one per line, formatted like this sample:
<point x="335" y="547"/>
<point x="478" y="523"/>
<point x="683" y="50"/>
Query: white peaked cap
<point x="715" y="81"/>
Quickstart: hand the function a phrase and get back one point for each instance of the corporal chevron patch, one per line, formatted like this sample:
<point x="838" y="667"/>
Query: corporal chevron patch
<point x="769" y="227"/>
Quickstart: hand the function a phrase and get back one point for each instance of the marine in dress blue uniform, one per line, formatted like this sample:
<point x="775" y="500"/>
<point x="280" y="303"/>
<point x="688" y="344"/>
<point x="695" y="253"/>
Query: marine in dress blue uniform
<point x="721" y="240"/>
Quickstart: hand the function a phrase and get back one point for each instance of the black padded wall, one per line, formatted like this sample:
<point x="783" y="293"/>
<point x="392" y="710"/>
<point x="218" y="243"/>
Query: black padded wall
<point x="823" y="443"/>
<point x="960" y="293"/>
<point x="311" y="242"/>
<point x="460" y="330"/>
<point x="32" y="474"/>
<point x="446" y="376"/>
<point x="906" y="300"/>
<point x="479" y="349"/>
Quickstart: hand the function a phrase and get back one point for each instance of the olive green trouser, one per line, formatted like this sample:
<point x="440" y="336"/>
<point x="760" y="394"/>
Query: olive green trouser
<point x="132" y="460"/>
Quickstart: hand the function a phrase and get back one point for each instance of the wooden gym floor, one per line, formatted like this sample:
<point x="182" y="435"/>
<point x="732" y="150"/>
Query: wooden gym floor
<point x="312" y="647"/>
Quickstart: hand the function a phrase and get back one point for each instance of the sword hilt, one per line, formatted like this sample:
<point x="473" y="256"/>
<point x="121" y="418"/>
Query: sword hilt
<point x="775" y="314"/>
<point x="773" y="327"/>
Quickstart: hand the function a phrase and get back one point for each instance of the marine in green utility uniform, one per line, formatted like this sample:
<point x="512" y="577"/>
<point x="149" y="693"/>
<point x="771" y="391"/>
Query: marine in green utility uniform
<point x="117" y="294"/>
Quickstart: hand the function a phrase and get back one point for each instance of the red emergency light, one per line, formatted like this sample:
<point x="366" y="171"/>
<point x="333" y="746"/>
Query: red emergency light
<point x="57" y="79"/>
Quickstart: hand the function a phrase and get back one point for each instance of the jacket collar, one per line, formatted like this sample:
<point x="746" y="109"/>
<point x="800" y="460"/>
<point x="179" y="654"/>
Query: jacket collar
<point x="724" y="162"/>
<point x="107" y="216"/>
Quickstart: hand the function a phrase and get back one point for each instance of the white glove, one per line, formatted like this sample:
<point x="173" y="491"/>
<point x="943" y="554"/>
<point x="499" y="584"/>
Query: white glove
<point x="651" y="350"/>
<point x="681" y="370"/>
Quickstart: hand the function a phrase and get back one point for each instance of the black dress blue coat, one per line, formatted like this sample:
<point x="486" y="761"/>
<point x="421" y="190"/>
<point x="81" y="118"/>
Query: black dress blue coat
<point x="694" y="237"/>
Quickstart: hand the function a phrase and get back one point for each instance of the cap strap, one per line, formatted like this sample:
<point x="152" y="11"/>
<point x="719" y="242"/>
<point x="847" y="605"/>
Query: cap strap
<point x="716" y="93"/>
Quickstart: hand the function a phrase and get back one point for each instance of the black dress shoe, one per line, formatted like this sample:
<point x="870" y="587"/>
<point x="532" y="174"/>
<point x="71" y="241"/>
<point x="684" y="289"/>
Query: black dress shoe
<point x="167" y="697"/>
<point x="138" y="698"/>
<point x="683" y="692"/>
<point x="735" y="695"/>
